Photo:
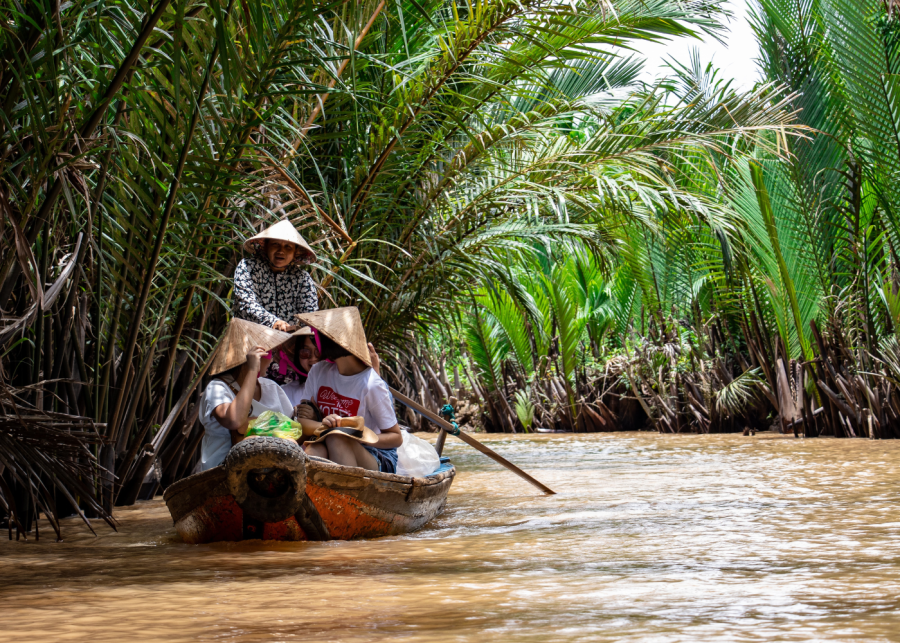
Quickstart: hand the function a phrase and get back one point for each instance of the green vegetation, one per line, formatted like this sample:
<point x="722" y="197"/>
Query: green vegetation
<point x="489" y="183"/>
<point x="779" y="302"/>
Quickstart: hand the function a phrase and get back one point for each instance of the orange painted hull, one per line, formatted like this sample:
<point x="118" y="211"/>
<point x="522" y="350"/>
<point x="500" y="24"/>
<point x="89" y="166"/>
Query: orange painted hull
<point x="352" y="503"/>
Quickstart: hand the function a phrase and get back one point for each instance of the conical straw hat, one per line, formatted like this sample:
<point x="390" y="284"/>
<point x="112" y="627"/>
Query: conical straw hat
<point x="240" y="337"/>
<point x="284" y="230"/>
<point x="343" y="326"/>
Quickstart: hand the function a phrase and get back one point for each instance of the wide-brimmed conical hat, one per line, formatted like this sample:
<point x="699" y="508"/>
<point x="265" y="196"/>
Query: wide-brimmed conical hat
<point x="240" y="337"/>
<point x="283" y="231"/>
<point x="343" y="326"/>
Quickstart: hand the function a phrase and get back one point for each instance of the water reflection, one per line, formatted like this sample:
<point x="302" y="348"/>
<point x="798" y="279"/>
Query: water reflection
<point x="662" y="538"/>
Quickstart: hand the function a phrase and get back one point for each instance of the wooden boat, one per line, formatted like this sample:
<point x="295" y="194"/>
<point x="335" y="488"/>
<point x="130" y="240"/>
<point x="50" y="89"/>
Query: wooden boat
<point x="269" y="489"/>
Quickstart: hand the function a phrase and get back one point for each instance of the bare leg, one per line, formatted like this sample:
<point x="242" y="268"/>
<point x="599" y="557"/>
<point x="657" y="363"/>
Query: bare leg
<point x="349" y="452"/>
<point x="364" y="459"/>
<point x="318" y="449"/>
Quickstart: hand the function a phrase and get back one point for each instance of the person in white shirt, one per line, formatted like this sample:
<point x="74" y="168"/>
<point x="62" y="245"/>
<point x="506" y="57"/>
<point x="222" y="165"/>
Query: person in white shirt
<point x="306" y="355"/>
<point x="346" y="385"/>
<point x="239" y="393"/>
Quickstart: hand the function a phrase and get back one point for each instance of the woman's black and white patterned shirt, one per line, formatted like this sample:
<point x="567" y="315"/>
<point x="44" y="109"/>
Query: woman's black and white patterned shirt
<point x="264" y="296"/>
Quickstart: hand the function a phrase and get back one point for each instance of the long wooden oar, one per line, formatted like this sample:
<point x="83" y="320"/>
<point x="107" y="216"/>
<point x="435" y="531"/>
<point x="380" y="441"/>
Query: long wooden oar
<point x="468" y="439"/>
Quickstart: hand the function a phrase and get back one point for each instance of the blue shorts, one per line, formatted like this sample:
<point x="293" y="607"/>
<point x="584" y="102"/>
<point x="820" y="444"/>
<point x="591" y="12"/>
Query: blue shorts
<point x="386" y="458"/>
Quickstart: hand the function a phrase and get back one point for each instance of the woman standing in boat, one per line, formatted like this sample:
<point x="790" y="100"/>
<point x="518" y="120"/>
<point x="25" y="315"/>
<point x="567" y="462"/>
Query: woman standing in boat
<point x="345" y="385"/>
<point x="238" y="392"/>
<point x="271" y="286"/>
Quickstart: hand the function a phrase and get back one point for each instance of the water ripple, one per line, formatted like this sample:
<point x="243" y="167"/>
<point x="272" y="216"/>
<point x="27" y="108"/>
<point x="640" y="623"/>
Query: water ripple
<point x="650" y="538"/>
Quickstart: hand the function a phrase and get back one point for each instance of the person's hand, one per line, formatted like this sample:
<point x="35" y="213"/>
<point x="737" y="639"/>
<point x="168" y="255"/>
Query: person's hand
<point x="332" y="420"/>
<point x="376" y="361"/>
<point x="283" y="326"/>
<point x="304" y="412"/>
<point x="253" y="358"/>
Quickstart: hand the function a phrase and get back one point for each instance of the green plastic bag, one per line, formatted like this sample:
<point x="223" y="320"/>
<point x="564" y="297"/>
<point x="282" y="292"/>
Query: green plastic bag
<point x="276" y="425"/>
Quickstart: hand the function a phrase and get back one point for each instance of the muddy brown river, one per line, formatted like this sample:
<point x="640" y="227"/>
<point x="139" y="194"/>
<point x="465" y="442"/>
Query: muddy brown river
<point x="650" y="538"/>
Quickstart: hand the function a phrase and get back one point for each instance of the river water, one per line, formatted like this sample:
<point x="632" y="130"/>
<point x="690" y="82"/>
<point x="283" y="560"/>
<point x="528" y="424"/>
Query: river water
<point x="650" y="538"/>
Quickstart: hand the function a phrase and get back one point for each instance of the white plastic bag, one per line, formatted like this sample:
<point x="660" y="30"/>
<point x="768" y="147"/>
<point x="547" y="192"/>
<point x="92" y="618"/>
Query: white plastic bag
<point x="416" y="458"/>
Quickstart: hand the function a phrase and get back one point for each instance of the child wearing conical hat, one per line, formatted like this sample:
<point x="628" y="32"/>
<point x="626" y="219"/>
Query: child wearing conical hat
<point x="299" y="360"/>
<point x="238" y="391"/>
<point x="344" y="384"/>
<point x="271" y="286"/>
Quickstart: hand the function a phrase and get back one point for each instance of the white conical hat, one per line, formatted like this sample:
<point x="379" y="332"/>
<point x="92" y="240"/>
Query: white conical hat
<point x="284" y="230"/>
<point x="343" y="326"/>
<point x="240" y="337"/>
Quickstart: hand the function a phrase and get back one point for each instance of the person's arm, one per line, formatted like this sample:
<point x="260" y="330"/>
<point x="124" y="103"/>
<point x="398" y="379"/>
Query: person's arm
<point x="246" y="303"/>
<point x="307" y="296"/>
<point x="373" y="357"/>
<point x="332" y="420"/>
<point x="380" y="404"/>
<point x="233" y="416"/>
<point x="389" y="438"/>
<point x="305" y="411"/>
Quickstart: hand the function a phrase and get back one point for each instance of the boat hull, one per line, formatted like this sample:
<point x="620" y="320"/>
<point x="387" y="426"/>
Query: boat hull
<point x="342" y="503"/>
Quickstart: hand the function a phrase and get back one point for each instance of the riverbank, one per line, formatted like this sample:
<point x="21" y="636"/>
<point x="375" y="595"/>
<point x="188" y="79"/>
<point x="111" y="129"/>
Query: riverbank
<point x="663" y="537"/>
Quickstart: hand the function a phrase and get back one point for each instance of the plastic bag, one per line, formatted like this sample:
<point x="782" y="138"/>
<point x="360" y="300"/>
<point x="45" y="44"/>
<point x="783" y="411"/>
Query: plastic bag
<point x="275" y="424"/>
<point x="416" y="458"/>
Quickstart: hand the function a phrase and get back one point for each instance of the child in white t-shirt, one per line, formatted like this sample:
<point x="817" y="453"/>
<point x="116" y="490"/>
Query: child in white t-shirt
<point x="238" y="393"/>
<point x="344" y="385"/>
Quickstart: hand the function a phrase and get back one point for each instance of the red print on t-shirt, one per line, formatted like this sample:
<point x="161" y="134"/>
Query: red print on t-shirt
<point x="333" y="403"/>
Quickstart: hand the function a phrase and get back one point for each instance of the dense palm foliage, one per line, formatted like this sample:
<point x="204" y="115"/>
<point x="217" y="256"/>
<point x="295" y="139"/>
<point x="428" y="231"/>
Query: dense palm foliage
<point x="782" y="303"/>
<point x="422" y="147"/>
